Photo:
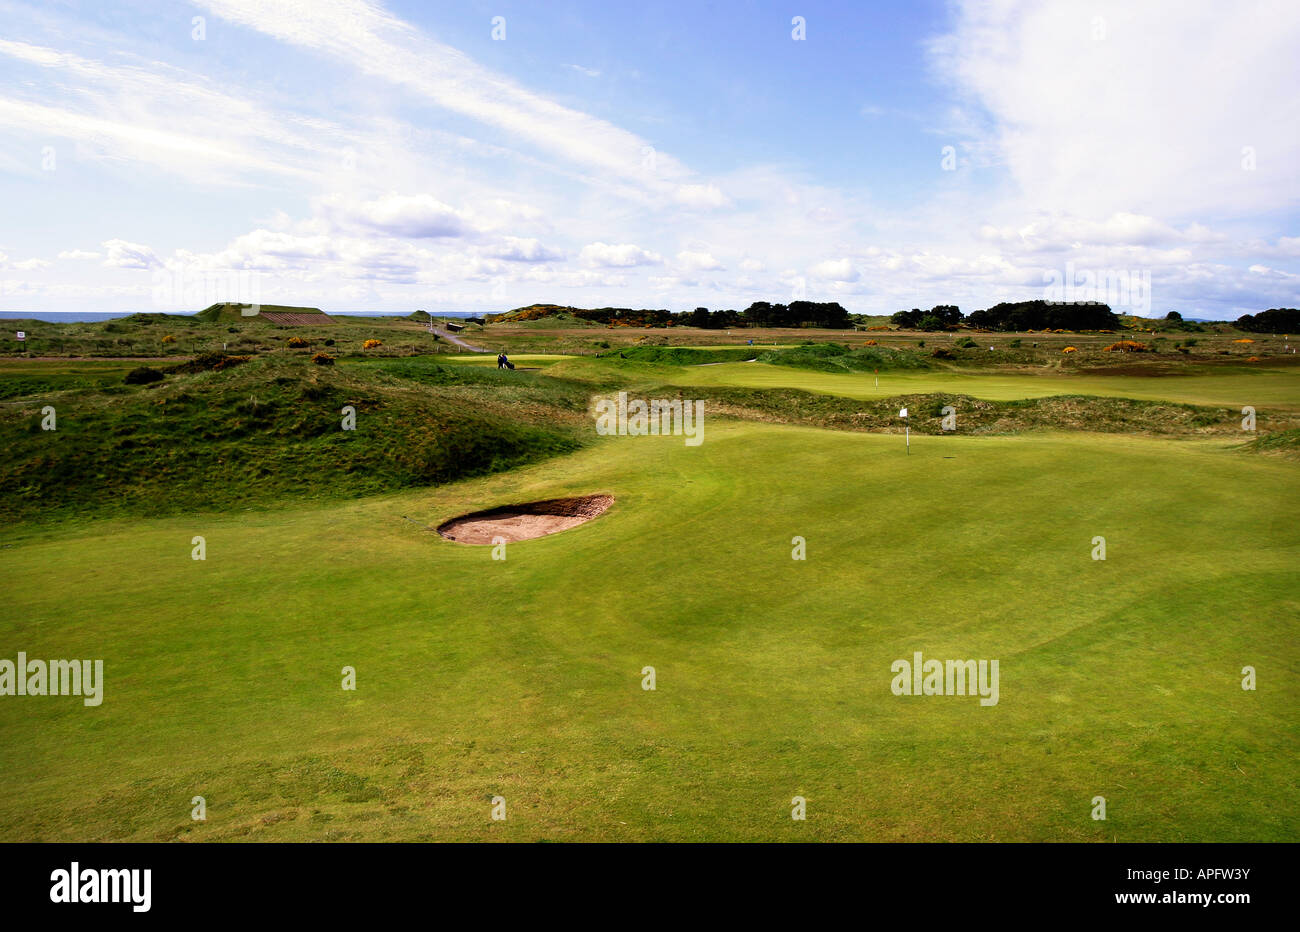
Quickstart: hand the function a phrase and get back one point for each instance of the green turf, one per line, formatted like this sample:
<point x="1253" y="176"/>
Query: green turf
<point x="1244" y="384"/>
<point x="522" y="677"/>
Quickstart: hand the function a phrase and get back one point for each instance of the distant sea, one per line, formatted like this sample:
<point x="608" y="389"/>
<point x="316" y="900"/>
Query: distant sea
<point x="89" y="317"/>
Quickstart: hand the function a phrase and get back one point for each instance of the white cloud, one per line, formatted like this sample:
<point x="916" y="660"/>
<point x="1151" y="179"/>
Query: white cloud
<point x="517" y="249"/>
<point x="143" y="114"/>
<point x="418" y="216"/>
<point x="700" y="195"/>
<point x="838" y="270"/>
<point x="366" y="37"/>
<point x="1152" y="117"/>
<point x="621" y="255"/>
<point x="699" y="262"/>
<point x="78" y="254"/>
<point x="124" y="255"/>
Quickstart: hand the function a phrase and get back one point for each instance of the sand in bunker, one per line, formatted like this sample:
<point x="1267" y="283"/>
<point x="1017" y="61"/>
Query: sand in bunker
<point x="524" y="522"/>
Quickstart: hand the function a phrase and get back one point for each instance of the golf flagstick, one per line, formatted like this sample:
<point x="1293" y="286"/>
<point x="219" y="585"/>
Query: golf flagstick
<point x="907" y="430"/>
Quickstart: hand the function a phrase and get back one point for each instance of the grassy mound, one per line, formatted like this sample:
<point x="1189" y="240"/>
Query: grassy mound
<point x="1282" y="443"/>
<point x="831" y="357"/>
<point x="234" y="312"/>
<point x="270" y="430"/>
<point x="974" y="415"/>
<point x="684" y="355"/>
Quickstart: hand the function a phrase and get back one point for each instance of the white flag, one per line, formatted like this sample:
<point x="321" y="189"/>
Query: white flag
<point x="902" y="412"/>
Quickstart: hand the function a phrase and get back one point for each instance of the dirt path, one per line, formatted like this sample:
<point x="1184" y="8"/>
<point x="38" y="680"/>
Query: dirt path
<point x="459" y="342"/>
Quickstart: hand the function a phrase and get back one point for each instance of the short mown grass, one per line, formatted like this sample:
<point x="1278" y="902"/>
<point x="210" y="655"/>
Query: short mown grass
<point x="523" y="678"/>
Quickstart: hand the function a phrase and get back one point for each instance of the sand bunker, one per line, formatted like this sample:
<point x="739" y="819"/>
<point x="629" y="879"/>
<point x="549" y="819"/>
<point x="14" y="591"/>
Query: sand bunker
<point x="524" y="522"/>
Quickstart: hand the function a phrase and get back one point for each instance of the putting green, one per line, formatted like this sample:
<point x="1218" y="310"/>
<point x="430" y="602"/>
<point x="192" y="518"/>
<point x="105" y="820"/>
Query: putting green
<point x="522" y="677"/>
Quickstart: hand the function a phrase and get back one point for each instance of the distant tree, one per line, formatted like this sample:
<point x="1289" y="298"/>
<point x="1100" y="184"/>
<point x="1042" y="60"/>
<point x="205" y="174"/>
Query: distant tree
<point x="949" y="314"/>
<point x="828" y="314"/>
<point x="1173" y="315"/>
<point x="700" y="317"/>
<point x="1044" y="315"/>
<point x="760" y="314"/>
<point x="1274" y="320"/>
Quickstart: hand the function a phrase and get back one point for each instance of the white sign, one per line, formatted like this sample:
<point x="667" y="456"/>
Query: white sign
<point x="902" y="412"/>
<point x="22" y="335"/>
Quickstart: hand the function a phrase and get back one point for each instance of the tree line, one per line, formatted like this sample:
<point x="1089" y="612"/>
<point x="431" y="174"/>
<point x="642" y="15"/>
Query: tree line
<point x="1013" y="316"/>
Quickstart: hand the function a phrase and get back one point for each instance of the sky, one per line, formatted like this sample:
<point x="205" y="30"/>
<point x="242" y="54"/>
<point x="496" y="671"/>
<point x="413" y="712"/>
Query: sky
<point x="480" y="156"/>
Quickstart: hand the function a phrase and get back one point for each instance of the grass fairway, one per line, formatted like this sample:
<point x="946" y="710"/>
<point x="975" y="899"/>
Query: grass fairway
<point x="1237" y="385"/>
<point x="522" y="678"/>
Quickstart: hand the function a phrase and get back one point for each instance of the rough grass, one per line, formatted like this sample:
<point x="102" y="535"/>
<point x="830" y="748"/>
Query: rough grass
<point x="831" y="357"/>
<point x="262" y="430"/>
<point x="271" y="430"/>
<point x="973" y="415"/>
<point x="1284" y="443"/>
<point x="683" y="355"/>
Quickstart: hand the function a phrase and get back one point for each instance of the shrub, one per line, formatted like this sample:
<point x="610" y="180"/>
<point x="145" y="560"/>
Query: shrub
<point x="329" y="342"/>
<point x="1128" y="346"/>
<point x="940" y="352"/>
<point x="872" y="343"/>
<point x="323" y="359"/>
<point x="965" y="343"/>
<point x="1069" y="349"/>
<point x="297" y="343"/>
<point x="371" y="344"/>
<point x="143" y="376"/>
<point x="169" y="339"/>
<point x="1014" y="344"/>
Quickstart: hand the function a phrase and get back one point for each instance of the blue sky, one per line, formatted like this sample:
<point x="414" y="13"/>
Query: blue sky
<point x="361" y="155"/>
